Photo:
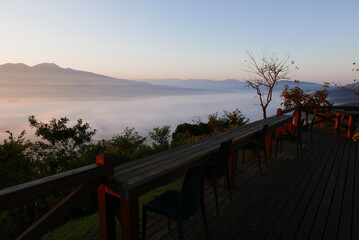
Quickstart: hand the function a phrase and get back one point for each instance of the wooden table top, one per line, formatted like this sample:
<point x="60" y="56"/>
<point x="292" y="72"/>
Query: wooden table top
<point x="139" y="176"/>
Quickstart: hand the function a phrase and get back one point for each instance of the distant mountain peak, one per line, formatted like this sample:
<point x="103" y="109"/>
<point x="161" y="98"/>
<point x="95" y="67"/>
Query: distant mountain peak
<point x="14" y="66"/>
<point x="47" y="66"/>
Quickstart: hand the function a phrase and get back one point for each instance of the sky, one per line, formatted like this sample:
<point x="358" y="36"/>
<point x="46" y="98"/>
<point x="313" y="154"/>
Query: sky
<point x="186" y="39"/>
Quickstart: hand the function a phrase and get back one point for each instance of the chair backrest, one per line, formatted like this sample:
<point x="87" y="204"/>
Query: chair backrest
<point x="262" y="136"/>
<point x="221" y="161"/>
<point x="192" y="189"/>
<point x="299" y="130"/>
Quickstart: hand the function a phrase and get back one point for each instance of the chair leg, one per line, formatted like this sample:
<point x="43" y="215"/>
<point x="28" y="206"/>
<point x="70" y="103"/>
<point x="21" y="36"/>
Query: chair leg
<point x="297" y="145"/>
<point x="311" y="136"/>
<point x="243" y="157"/>
<point x="265" y="157"/>
<point x="214" y="182"/>
<point x="180" y="230"/>
<point x="229" y="186"/>
<point x="144" y="219"/>
<point x="204" y="216"/>
<point x="259" y="163"/>
<point x="169" y="223"/>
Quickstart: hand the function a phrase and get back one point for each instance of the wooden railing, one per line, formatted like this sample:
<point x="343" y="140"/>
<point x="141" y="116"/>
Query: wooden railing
<point x="84" y="180"/>
<point x="126" y="182"/>
<point x="299" y="111"/>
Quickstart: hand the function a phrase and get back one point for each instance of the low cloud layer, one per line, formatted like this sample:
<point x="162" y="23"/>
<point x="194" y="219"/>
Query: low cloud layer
<point x="110" y="117"/>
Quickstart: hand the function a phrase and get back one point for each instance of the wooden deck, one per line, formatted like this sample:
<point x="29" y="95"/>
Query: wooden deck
<point x="315" y="196"/>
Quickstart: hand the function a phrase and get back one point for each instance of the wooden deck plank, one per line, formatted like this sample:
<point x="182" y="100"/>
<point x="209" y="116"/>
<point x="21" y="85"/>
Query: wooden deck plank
<point x="328" y="216"/>
<point x="307" y="207"/>
<point x="345" y="224"/>
<point x="273" y="197"/>
<point x="355" y="222"/>
<point x="288" y="211"/>
<point x="250" y="200"/>
<point x="276" y="219"/>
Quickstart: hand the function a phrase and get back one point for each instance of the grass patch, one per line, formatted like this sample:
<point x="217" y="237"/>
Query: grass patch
<point x="84" y="228"/>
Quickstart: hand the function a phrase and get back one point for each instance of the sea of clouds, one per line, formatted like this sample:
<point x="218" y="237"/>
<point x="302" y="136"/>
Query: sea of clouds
<point x="111" y="116"/>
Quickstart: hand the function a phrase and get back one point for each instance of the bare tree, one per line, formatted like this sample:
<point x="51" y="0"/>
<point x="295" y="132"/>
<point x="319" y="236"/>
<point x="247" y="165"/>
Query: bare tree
<point x="268" y="71"/>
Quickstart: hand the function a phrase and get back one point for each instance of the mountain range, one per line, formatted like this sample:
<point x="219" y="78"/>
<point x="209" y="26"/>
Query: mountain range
<point x="49" y="80"/>
<point x="223" y="85"/>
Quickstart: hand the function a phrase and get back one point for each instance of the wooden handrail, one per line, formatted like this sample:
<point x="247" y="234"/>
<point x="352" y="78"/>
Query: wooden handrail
<point x="287" y="110"/>
<point x="86" y="179"/>
<point x="23" y="193"/>
<point x="27" y="192"/>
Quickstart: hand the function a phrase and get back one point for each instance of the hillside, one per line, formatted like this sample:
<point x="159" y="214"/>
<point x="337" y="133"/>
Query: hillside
<point x="50" y="80"/>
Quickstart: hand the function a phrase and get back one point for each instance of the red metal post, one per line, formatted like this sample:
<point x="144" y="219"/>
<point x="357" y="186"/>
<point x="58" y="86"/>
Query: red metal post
<point x="130" y="219"/>
<point x="337" y="123"/>
<point x="297" y="116"/>
<point x="106" y="204"/>
<point x="107" y="211"/>
<point x="350" y="124"/>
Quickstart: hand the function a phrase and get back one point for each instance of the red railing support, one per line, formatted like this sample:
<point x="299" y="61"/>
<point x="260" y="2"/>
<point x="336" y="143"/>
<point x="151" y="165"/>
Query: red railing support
<point x="297" y="116"/>
<point x="106" y="203"/>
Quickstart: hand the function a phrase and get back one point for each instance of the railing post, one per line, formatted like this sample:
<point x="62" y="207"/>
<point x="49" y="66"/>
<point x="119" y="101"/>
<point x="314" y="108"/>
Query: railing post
<point x="106" y="204"/>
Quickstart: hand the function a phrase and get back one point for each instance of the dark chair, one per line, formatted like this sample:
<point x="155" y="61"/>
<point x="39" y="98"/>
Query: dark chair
<point x="308" y="127"/>
<point x="295" y="136"/>
<point x="179" y="206"/>
<point x="219" y="168"/>
<point x="258" y="146"/>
